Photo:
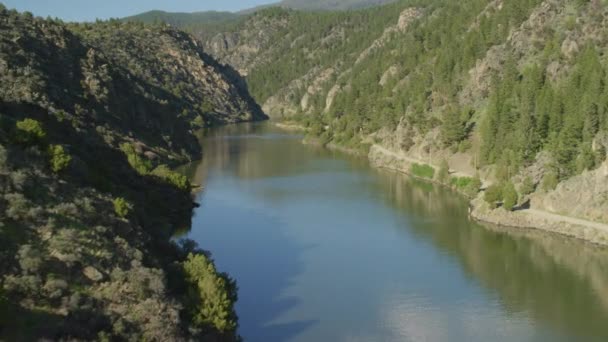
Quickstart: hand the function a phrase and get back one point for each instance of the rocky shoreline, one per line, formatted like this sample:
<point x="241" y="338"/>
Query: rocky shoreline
<point x="531" y="220"/>
<point x="480" y="211"/>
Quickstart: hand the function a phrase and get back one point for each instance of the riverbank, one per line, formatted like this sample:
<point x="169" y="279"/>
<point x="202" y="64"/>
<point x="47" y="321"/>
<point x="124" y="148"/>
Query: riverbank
<point x="590" y="231"/>
<point x="309" y="210"/>
<point x="381" y="157"/>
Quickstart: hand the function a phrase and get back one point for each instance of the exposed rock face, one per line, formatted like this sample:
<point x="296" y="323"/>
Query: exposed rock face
<point x="524" y="219"/>
<point x="389" y="73"/>
<point x="246" y="47"/>
<point x="584" y="196"/>
<point x="405" y="19"/>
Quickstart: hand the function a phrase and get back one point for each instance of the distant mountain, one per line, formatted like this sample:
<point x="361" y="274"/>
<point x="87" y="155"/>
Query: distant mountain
<point x="183" y="19"/>
<point x="331" y="5"/>
<point x="197" y="19"/>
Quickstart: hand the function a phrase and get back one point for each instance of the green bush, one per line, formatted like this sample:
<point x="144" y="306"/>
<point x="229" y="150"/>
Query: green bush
<point x="473" y="186"/>
<point x="422" y="170"/>
<point x="59" y="158"/>
<point x="550" y="181"/>
<point x="211" y="294"/>
<point x="461" y="182"/>
<point x="198" y="122"/>
<point x="527" y="186"/>
<point x="122" y="208"/>
<point x="470" y="186"/>
<point x="493" y="195"/>
<point x="443" y="175"/>
<point x="180" y="181"/>
<point x="141" y="165"/>
<point x="510" y="196"/>
<point x="29" y="131"/>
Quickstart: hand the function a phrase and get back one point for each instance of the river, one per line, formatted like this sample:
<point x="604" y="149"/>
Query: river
<point x="326" y="248"/>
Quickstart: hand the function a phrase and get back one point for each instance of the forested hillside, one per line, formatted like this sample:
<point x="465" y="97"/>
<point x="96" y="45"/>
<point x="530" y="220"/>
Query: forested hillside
<point x="514" y="91"/>
<point x="187" y="21"/>
<point x="331" y="5"/>
<point x="92" y="116"/>
<point x="207" y="23"/>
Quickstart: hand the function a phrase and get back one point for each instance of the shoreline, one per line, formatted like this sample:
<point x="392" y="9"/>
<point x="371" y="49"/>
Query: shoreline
<point x="580" y="229"/>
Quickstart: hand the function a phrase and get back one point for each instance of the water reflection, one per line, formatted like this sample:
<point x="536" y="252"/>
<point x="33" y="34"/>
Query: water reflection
<point x="325" y="248"/>
<point x="557" y="280"/>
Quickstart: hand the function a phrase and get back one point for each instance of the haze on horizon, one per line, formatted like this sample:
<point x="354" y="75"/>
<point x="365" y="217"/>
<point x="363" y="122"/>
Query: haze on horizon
<point x="88" y="10"/>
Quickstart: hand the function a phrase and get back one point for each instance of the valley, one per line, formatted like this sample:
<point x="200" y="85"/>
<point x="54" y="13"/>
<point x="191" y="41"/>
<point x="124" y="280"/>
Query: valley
<point x="431" y="170"/>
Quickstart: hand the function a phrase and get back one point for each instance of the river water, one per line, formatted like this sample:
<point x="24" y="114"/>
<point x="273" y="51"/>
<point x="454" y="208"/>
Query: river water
<point x="326" y="248"/>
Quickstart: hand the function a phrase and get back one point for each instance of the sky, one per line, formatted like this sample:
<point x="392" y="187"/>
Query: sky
<point x="89" y="10"/>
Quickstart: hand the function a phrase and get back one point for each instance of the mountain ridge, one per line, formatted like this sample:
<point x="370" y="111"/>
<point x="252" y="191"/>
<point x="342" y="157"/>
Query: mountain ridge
<point x="186" y="20"/>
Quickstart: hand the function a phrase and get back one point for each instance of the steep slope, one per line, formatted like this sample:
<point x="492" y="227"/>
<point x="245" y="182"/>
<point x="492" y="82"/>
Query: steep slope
<point x="513" y="91"/>
<point x="90" y="118"/>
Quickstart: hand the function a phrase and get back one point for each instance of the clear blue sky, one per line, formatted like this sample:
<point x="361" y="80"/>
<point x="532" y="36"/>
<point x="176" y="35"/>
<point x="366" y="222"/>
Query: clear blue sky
<point x="88" y="10"/>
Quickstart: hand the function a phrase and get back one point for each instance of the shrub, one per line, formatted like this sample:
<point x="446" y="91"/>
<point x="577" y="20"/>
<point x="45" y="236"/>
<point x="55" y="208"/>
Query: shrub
<point x="443" y="175"/>
<point x="16" y="206"/>
<point x="550" y="181"/>
<point x="211" y="294"/>
<point x="30" y="259"/>
<point x="585" y="160"/>
<point x="470" y="186"/>
<point x="422" y="170"/>
<point x="493" y="195"/>
<point x="59" y="158"/>
<point x="141" y="165"/>
<point x="198" y="122"/>
<point x="473" y="186"/>
<point x="29" y="131"/>
<point x="461" y="182"/>
<point x="510" y="196"/>
<point x="527" y="186"/>
<point x="122" y="207"/>
<point x="177" y="179"/>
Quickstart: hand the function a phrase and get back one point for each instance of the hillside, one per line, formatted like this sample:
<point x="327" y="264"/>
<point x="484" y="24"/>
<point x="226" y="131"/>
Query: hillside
<point x="183" y="20"/>
<point x="331" y="5"/>
<point x="514" y="92"/>
<point x="205" y="24"/>
<point x="91" y="118"/>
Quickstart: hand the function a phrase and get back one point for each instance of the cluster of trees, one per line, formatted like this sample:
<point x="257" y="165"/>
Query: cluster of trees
<point x="30" y="132"/>
<point x="528" y="113"/>
<point x="145" y="167"/>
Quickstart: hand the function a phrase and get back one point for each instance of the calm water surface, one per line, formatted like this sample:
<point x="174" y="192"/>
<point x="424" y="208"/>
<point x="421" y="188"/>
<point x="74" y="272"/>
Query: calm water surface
<point x="325" y="248"/>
